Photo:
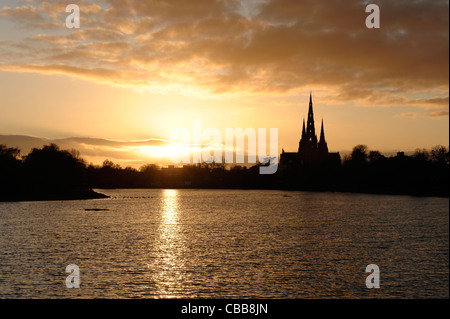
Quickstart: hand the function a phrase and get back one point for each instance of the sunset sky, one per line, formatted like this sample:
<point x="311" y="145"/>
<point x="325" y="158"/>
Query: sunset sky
<point x="137" y="70"/>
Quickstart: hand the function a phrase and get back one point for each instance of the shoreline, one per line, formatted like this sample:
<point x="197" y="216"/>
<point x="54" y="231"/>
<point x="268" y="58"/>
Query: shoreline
<point x="83" y="195"/>
<point x="393" y="193"/>
<point x="92" y="195"/>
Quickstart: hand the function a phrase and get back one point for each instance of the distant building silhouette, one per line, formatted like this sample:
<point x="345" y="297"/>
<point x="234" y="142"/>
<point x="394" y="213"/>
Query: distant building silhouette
<point x="310" y="151"/>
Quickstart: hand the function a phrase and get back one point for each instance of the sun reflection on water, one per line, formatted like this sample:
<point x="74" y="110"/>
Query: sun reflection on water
<point x="170" y="274"/>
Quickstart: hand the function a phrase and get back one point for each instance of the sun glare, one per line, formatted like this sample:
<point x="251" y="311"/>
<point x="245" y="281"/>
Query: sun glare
<point x="162" y="151"/>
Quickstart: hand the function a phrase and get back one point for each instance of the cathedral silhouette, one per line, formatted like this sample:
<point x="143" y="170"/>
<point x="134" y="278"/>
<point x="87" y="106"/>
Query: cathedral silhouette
<point x="310" y="150"/>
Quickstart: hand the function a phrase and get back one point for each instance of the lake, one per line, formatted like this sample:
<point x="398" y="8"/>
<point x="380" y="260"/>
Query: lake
<point x="226" y="244"/>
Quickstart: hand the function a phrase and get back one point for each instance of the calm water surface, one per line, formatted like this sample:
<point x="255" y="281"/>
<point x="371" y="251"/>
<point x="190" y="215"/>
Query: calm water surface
<point x="226" y="244"/>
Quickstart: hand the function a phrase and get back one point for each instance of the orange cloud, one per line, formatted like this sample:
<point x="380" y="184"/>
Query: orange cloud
<point x="253" y="47"/>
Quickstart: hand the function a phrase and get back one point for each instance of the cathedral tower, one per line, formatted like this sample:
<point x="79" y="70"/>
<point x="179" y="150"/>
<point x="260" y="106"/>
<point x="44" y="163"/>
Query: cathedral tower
<point x="308" y="144"/>
<point x="310" y="150"/>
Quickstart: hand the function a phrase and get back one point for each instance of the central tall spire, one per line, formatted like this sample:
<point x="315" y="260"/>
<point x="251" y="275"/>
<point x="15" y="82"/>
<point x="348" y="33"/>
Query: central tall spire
<point x="311" y="130"/>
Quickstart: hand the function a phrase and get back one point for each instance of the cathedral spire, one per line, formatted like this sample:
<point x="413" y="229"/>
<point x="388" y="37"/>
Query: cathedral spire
<point x="322" y="134"/>
<point x="310" y="129"/>
<point x="323" y="146"/>
<point x="304" y="129"/>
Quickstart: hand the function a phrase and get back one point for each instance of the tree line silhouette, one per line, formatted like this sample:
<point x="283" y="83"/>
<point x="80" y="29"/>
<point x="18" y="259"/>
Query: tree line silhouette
<point x="50" y="173"/>
<point x="44" y="174"/>
<point x="424" y="173"/>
